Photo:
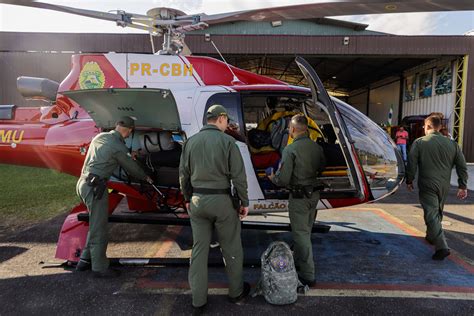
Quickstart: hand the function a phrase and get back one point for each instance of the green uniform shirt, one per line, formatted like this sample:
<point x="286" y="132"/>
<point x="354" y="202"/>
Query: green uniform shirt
<point x="301" y="163"/>
<point x="435" y="155"/>
<point x="211" y="159"/>
<point x="106" y="152"/>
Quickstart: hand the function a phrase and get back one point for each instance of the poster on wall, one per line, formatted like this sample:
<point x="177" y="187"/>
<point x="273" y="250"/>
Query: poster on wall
<point x="410" y="87"/>
<point x="444" y="79"/>
<point x="425" y="84"/>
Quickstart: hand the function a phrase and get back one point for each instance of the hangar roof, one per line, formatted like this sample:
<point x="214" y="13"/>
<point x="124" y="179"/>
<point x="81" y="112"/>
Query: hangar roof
<point x="319" y="26"/>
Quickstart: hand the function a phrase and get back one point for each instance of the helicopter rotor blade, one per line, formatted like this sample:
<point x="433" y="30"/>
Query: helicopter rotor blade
<point x="122" y="18"/>
<point x="338" y="8"/>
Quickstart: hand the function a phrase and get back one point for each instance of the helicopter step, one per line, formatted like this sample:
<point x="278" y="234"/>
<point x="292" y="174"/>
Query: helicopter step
<point x="176" y="221"/>
<point x="135" y="262"/>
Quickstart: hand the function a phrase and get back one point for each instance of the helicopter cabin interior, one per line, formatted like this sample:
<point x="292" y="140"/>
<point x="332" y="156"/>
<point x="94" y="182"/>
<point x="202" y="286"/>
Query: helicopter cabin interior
<point x="261" y="121"/>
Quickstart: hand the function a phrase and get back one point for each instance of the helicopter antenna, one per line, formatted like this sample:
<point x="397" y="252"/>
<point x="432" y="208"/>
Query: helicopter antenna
<point x="152" y="44"/>
<point x="235" y="80"/>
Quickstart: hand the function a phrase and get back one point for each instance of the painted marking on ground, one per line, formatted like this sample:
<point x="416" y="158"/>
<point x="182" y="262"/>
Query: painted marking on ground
<point x="417" y="233"/>
<point x="402" y="279"/>
<point x="318" y="292"/>
<point x="166" y="245"/>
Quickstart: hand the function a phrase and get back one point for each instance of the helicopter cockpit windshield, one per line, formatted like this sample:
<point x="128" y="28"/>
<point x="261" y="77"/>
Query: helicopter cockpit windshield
<point x="382" y="163"/>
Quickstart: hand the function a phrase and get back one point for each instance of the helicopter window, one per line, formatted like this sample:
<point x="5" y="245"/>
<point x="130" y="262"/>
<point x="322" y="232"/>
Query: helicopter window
<point x="376" y="153"/>
<point x="231" y="101"/>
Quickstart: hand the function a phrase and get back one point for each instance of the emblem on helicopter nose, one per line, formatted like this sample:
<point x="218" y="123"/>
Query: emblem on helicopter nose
<point x="91" y="76"/>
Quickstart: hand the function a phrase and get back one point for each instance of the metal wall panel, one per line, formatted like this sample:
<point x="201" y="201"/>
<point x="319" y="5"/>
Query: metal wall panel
<point x="443" y="103"/>
<point x="288" y="27"/>
<point x="54" y="66"/>
<point x="359" y="101"/>
<point x="72" y="42"/>
<point x="381" y="99"/>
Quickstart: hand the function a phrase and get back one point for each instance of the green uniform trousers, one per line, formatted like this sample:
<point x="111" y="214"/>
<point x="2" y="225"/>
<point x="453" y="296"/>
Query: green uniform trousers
<point x="432" y="200"/>
<point x="302" y="215"/>
<point x="97" y="240"/>
<point x="209" y="212"/>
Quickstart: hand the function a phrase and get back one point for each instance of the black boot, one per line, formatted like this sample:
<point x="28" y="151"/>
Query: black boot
<point x="239" y="299"/>
<point x="197" y="311"/>
<point x="83" y="265"/>
<point x="441" y="254"/>
<point x="309" y="283"/>
<point x="106" y="274"/>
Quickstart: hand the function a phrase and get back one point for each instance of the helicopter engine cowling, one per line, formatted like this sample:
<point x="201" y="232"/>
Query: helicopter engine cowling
<point x="37" y="88"/>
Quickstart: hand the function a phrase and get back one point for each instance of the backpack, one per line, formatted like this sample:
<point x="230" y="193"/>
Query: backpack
<point x="279" y="281"/>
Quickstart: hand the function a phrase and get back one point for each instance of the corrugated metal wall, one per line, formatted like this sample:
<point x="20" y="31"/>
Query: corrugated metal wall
<point x="443" y="103"/>
<point x="54" y="66"/>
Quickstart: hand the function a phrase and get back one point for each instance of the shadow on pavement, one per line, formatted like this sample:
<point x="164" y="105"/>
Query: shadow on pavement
<point x="345" y="259"/>
<point x="8" y="252"/>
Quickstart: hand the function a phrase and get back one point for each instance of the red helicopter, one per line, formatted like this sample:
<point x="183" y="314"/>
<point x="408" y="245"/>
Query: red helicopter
<point x="168" y="93"/>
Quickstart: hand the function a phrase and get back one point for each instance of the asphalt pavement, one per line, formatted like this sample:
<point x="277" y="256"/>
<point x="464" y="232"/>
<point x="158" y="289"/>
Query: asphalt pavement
<point x="373" y="261"/>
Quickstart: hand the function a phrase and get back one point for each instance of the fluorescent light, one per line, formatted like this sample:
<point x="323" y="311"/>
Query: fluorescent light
<point x="277" y="23"/>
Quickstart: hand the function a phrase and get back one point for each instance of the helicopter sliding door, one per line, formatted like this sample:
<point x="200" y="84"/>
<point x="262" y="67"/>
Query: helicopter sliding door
<point x="322" y="101"/>
<point x="236" y="128"/>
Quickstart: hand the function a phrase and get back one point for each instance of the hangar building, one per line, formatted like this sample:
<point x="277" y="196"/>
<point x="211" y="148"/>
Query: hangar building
<point x="385" y="76"/>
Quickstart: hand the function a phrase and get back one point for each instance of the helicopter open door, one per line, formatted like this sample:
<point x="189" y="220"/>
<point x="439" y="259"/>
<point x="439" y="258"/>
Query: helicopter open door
<point x="151" y="108"/>
<point x="158" y="135"/>
<point x="323" y="102"/>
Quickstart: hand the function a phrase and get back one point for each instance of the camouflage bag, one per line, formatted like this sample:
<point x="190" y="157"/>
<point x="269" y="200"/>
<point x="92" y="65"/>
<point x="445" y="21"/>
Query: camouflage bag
<point x="279" y="282"/>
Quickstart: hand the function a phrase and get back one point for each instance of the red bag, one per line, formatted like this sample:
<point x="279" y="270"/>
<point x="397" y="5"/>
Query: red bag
<point x="265" y="160"/>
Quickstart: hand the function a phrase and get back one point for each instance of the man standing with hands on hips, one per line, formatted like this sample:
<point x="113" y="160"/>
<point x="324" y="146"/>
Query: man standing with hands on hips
<point x="209" y="164"/>
<point x="434" y="156"/>
<point x="300" y="165"/>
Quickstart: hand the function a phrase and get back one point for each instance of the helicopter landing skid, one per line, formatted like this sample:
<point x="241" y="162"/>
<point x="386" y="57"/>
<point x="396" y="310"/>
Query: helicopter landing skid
<point x="178" y="221"/>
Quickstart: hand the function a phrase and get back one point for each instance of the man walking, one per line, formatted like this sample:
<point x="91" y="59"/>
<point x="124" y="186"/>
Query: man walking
<point x="401" y="138"/>
<point x="301" y="163"/>
<point x="434" y="155"/>
<point x="210" y="163"/>
<point x="106" y="152"/>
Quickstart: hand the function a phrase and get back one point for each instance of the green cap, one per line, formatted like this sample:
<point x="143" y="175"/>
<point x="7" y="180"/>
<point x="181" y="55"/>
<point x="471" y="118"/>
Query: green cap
<point x="217" y="110"/>
<point x="126" y="121"/>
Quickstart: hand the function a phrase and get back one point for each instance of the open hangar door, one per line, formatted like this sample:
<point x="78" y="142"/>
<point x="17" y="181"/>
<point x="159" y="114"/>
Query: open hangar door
<point x="373" y="85"/>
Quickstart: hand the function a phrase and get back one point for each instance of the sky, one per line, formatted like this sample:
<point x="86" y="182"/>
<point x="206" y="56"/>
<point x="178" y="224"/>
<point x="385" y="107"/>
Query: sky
<point x="22" y="19"/>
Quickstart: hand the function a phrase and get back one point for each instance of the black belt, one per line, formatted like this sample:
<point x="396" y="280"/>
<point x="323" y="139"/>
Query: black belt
<point x="211" y="191"/>
<point x="90" y="174"/>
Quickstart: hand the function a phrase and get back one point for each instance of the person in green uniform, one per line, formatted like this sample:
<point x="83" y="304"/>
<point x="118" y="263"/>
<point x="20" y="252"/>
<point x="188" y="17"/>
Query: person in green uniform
<point x="434" y="156"/>
<point x="210" y="162"/>
<point x="300" y="165"/>
<point x="106" y="153"/>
